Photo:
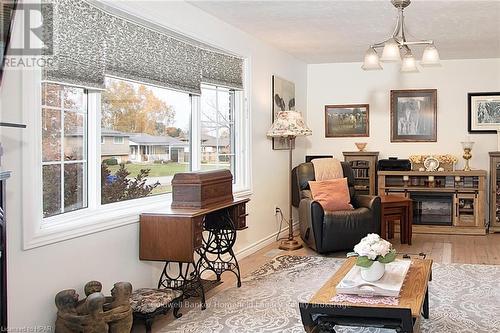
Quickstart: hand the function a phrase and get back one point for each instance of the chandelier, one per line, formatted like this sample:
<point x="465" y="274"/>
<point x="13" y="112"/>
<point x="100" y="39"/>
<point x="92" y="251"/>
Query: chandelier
<point x="398" y="45"/>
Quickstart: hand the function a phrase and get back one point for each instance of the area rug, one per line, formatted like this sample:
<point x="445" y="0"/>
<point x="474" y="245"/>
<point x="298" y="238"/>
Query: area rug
<point x="463" y="298"/>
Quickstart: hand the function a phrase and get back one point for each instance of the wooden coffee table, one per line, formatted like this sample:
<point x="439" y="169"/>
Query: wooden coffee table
<point x="320" y="314"/>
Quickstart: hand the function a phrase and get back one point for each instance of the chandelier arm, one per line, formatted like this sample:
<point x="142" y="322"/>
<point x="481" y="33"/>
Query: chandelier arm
<point x="397" y="28"/>
<point x="417" y="41"/>
<point x="420" y="42"/>
<point x="381" y="44"/>
<point x="402" y="20"/>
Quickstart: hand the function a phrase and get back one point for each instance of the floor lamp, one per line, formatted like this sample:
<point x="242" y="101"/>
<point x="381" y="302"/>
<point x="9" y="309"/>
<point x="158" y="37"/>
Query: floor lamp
<point x="289" y="125"/>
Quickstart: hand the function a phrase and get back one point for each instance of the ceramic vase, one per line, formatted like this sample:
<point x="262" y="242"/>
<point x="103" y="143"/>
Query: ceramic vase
<point x="374" y="272"/>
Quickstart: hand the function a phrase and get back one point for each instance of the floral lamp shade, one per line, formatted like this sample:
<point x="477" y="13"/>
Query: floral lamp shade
<point x="288" y="124"/>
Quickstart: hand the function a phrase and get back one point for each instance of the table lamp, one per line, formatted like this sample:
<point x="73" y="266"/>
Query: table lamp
<point x="289" y="125"/>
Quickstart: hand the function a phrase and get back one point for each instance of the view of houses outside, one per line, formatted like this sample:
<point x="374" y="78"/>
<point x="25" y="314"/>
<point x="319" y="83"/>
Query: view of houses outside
<point x="145" y="140"/>
<point x="147" y="128"/>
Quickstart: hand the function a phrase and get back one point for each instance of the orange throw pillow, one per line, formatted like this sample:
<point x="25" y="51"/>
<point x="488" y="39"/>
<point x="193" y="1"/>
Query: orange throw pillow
<point x="332" y="194"/>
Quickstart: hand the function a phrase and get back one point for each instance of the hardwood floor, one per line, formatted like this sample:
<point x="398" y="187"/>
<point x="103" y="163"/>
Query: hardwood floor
<point x="441" y="248"/>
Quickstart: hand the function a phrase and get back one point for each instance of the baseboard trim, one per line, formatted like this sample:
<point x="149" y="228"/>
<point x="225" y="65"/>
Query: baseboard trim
<point x="260" y="244"/>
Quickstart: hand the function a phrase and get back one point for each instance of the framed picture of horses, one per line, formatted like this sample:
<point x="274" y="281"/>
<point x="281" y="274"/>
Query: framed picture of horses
<point x="414" y="115"/>
<point x="350" y="120"/>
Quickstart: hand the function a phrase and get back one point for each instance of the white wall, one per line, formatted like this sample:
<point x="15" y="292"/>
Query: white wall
<point x="36" y="275"/>
<point x="346" y="83"/>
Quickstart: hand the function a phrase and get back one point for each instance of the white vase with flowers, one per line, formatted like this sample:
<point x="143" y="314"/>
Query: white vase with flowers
<point x="373" y="253"/>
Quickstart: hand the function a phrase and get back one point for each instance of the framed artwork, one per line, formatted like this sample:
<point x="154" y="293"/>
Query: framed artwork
<point x="283" y="100"/>
<point x="347" y="120"/>
<point x="484" y="112"/>
<point x="414" y="115"/>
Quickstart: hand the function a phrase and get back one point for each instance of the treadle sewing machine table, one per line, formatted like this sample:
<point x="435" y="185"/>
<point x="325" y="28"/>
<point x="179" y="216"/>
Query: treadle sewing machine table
<point x="320" y="314"/>
<point x="174" y="235"/>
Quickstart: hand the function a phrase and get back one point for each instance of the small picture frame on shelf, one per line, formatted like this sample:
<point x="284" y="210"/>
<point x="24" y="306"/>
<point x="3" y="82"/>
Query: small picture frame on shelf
<point x="351" y="120"/>
<point x="414" y="115"/>
<point x="483" y="112"/>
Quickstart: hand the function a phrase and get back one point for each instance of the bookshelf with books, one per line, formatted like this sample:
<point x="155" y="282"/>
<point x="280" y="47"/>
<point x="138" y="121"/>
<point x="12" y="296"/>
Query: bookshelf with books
<point x="364" y="167"/>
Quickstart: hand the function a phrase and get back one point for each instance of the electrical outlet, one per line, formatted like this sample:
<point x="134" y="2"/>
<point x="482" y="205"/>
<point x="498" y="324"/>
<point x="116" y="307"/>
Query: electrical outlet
<point x="276" y="210"/>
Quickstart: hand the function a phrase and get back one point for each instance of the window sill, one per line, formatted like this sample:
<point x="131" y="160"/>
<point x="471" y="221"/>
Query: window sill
<point x="81" y="223"/>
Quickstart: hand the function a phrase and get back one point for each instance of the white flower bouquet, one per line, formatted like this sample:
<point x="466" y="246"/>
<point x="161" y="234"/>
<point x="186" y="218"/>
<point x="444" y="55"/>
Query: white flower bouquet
<point x="373" y="248"/>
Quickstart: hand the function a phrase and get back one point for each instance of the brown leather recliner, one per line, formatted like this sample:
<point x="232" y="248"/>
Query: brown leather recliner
<point x="333" y="231"/>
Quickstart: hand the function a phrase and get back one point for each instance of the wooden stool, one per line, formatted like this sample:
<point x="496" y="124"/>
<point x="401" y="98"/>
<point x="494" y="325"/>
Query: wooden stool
<point x="147" y="303"/>
<point x="394" y="207"/>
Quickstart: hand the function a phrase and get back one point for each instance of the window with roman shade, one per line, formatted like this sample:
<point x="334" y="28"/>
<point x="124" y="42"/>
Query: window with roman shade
<point x="91" y="42"/>
<point x="126" y="105"/>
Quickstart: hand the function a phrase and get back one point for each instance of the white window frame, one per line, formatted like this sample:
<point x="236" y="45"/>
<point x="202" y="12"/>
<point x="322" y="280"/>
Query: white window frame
<point x="38" y="231"/>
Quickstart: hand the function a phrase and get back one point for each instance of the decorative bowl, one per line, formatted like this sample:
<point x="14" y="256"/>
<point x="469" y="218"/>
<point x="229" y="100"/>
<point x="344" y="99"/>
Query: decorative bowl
<point x="361" y="145"/>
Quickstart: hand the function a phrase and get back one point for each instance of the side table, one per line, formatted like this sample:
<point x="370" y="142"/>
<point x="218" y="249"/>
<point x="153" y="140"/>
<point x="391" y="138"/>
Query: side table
<point x="394" y="207"/>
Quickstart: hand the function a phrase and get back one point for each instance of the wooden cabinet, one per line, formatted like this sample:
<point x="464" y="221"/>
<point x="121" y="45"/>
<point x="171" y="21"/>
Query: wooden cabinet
<point x="174" y="234"/>
<point x="494" y="225"/>
<point x="445" y="202"/>
<point x="465" y="210"/>
<point x="364" y="166"/>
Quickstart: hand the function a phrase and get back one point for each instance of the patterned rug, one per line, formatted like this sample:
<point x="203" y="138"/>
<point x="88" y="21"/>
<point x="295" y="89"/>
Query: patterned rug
<point x="463" y="298"/>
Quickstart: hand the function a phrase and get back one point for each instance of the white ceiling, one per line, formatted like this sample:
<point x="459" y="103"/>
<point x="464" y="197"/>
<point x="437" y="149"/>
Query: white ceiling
<point x="340" y="31"/>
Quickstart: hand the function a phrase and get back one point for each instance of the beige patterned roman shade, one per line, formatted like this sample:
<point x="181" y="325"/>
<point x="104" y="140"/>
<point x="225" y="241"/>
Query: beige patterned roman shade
<point x="91" y="42"/>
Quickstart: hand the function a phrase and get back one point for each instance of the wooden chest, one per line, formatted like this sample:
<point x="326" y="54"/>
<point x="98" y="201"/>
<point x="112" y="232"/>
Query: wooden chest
<point x="202" y="189"/>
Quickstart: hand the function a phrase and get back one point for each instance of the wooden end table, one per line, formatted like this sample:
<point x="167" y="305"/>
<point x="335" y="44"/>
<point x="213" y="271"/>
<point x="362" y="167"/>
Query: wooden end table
<point x="395" y="207"/>
<point x="320" y="314"/>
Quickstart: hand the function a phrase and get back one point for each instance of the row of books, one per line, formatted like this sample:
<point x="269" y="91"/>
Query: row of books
<point x="361" y="173"/>
<point x="363" y="164"/>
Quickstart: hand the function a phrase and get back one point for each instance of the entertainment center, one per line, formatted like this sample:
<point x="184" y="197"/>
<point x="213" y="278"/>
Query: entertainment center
<point x="445" y="202"/>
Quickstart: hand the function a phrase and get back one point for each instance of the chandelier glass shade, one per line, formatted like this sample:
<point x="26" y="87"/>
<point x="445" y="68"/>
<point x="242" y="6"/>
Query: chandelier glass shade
<point x="390" y="52"/>
<point x="398" y="44"/>
<point x="372" y="61"/>
<point x="409" y="64"/>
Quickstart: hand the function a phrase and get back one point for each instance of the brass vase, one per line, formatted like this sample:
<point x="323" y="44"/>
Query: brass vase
<point x="467" y="147"/>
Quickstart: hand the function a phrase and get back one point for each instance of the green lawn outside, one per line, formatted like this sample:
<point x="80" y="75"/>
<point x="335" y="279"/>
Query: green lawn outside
<point x="157" y="170"/>
<point x="160" y="170"/>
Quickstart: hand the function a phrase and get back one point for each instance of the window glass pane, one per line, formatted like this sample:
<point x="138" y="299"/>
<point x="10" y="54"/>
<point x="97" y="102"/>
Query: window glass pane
<point x="73" y="98"/>
<point x="64" y="136"/>
<point x="51" y="95"/>
<point x="217" y="129"/>
<point x="145" y="139"/>
<point x="51" y="189"/>
<point x="74" y="138"/>
<point x="74" y="186"/>
<point x="208" y="105"/>
<point x="223" y="96"/>
<point x="51" y="135"/>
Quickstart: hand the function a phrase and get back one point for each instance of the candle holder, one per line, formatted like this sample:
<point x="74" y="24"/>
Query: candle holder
<point x="467" y="147"/>
<point x="406" y="180"/>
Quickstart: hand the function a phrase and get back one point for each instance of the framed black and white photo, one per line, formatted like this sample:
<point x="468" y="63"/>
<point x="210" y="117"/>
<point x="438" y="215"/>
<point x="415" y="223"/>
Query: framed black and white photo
<point x="484" y="112"/>
<point x="283" y="100"/>
<point x="414" y="115"/>
<point x="350" y="120"/>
